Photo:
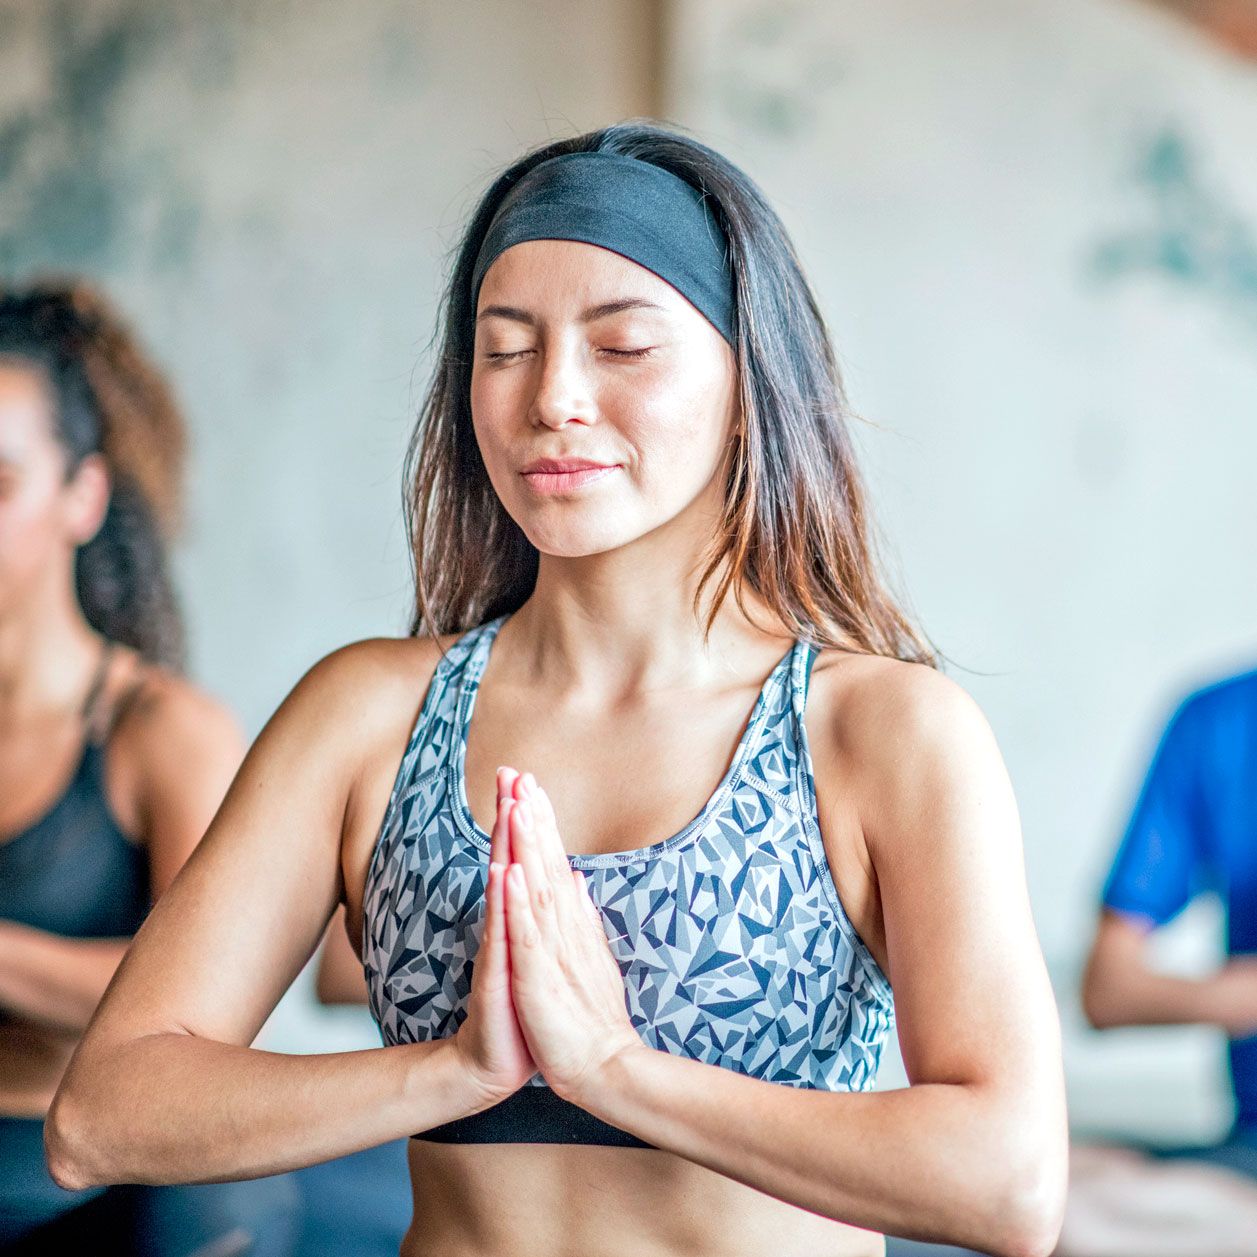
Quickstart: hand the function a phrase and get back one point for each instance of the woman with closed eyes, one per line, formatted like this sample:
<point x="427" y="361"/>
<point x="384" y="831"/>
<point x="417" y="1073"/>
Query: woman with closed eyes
<point x="653" y="830"/>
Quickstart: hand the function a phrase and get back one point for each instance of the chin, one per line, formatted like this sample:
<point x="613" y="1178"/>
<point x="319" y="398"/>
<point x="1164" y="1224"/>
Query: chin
<point x="580" y="539"/>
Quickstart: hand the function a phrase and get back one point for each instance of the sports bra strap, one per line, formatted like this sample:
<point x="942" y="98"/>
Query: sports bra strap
<point x="92" y="705"/>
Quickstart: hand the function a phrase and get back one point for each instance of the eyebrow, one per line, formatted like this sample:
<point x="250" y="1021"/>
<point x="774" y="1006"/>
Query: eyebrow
<point x="594" y="312"/>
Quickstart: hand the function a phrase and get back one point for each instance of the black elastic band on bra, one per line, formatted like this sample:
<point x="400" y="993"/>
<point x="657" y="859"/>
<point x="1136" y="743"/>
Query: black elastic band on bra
<point x="532" y="1115"/>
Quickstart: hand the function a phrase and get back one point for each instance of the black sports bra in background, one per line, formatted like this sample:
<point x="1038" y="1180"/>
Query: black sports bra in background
<point x="74" y="872"/>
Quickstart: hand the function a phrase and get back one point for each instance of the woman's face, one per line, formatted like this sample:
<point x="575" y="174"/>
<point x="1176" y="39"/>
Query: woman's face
<point x="582" y="355"/>
<point x="44" y="516"/>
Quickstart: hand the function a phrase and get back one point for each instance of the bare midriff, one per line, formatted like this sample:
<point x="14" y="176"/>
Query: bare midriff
<point x="561" y="1200"/>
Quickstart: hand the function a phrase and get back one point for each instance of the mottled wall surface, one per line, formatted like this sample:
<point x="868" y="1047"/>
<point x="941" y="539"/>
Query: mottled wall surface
<point x="1033" y="227"/>
<point x="1032" y="223"/>
<point x="270" y="190"/>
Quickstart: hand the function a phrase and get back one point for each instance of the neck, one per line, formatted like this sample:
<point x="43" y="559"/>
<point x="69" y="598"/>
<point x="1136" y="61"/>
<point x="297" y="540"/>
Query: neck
<point x="622" y="623"/>
<point x="48" y="654"/>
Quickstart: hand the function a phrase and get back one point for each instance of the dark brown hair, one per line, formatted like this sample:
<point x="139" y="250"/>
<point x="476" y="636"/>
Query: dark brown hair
<point x="109" y="398"/>
<point x="795" y="527"/>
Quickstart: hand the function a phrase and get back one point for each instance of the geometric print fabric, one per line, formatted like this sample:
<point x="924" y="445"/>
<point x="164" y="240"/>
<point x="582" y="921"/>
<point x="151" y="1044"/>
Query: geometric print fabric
<point x="730" y="936"/>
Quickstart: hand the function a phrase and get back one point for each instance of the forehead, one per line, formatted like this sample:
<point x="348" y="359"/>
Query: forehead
<point x="25" y="408"/>
<point x="562" y="277"/>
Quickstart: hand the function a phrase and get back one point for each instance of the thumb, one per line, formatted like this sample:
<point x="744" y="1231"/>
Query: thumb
<point x="494" y="944"/>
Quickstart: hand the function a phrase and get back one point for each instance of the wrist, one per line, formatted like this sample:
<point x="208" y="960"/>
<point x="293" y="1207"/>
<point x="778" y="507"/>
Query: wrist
<point x="438" y="1069"/>
<point x="610" y="1076"/>
<point x="478" y="1091"/>
<point x="1231" y="996"/>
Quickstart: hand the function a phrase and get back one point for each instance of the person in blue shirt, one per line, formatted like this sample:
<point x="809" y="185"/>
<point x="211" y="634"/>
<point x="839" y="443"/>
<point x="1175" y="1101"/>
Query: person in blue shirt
<point x="1193" y="829"/>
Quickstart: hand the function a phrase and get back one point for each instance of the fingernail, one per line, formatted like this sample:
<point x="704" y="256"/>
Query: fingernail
<point x="530" y="783"/>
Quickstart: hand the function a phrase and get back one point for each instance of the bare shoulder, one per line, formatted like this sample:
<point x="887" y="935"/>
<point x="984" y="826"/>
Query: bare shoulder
<point x="902" y="737"/>
<point x="372" y="690"/>
<point x="155" y="708"/>
<point x="352" y="696"/>
<point x="881" y="709"/>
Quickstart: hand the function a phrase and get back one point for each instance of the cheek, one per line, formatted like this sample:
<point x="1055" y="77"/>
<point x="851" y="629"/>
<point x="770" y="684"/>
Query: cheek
<point x="30" y="536"/>
<point x="489" y="430"/>
<point x="679" y="439"/>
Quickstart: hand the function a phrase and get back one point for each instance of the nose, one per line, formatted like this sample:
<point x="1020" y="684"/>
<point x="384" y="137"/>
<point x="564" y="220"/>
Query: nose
<point x="564" y="393"/>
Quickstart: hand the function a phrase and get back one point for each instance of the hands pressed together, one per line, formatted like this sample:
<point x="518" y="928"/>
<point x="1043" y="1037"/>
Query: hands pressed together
<point x="546" y="992"/>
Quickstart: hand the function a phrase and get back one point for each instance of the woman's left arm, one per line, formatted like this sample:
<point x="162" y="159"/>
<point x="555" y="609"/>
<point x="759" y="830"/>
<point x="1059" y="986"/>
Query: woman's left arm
<point x="186" y="748"/>
<point x="974" y="1152"/>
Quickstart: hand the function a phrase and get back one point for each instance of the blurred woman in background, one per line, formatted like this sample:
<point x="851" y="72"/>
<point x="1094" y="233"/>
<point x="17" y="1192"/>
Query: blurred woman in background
<point x="111" y="763"/>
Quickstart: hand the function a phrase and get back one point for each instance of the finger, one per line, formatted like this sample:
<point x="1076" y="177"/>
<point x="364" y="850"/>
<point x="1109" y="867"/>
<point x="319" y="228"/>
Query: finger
<point x="549" y="841"/>
<point x="492" y="955"/>
<point x="524" y="851"/>
<point x="495" y="917"/>
<point x="506" y="778"/>
<point x="499" y="839"/>
<point x="503" y="921"/>
<point x="521" y="926"/>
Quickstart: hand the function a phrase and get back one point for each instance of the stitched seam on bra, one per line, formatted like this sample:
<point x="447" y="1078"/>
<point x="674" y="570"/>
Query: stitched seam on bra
<point x="878" y="982"/>
<point x="464" y="822"/>
<point x="418" y="784"/>
<point x="791" y="805"/>
<point x="611" y="859"/>
<point x="423" y="718"/>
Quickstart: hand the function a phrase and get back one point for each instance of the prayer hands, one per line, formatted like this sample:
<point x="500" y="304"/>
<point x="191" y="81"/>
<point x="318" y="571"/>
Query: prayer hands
<point x="546" y="992"/>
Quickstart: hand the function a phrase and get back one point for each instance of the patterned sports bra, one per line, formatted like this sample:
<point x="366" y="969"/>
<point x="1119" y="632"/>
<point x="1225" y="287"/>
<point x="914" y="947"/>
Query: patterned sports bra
<point x="732" y="941"/>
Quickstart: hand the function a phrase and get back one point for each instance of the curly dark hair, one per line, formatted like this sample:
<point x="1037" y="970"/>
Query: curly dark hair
<point x="109" y="398"/>
<point x="795" y="526"/>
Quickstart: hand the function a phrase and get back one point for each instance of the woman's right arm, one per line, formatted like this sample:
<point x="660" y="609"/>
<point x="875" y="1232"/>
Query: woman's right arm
<point x="164" y="1087"/>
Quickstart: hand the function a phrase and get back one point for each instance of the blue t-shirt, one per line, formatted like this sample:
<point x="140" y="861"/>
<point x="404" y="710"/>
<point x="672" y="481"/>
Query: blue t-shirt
<point x="1194" y="828"/>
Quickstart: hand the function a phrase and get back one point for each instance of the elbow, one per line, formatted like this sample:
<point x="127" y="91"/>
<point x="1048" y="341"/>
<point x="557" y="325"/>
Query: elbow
<point x="1094" y="1009"/>
<point x="67" y="1145"/>
<point x="1096" y="998"/>
<point x="1029" y="1236"/>
<point x="78" y="1142"/>
<point x="1031" y="1212"/>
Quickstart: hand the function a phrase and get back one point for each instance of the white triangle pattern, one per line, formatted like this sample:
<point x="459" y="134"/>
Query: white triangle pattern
<point x="732" y="941"/>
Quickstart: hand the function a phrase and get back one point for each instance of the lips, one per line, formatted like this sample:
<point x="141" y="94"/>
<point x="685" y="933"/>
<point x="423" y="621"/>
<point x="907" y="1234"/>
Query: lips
<point x="564" y="475"/>
<point x="560" y="465"/>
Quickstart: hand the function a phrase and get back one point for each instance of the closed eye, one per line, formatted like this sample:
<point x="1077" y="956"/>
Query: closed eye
<point x="616" y="353"/>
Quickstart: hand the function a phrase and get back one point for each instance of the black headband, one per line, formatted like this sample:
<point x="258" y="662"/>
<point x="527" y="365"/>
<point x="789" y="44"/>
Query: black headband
<point x="634" y="208"/>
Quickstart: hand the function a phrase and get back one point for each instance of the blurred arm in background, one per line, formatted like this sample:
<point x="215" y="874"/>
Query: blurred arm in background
<point x="1119" y="988"/>
<point x="339" y="979"/>
<point x="1183" y="838"/>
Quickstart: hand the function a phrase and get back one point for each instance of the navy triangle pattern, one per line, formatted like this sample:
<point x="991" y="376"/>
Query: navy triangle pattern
<point x="730" y="935"/>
